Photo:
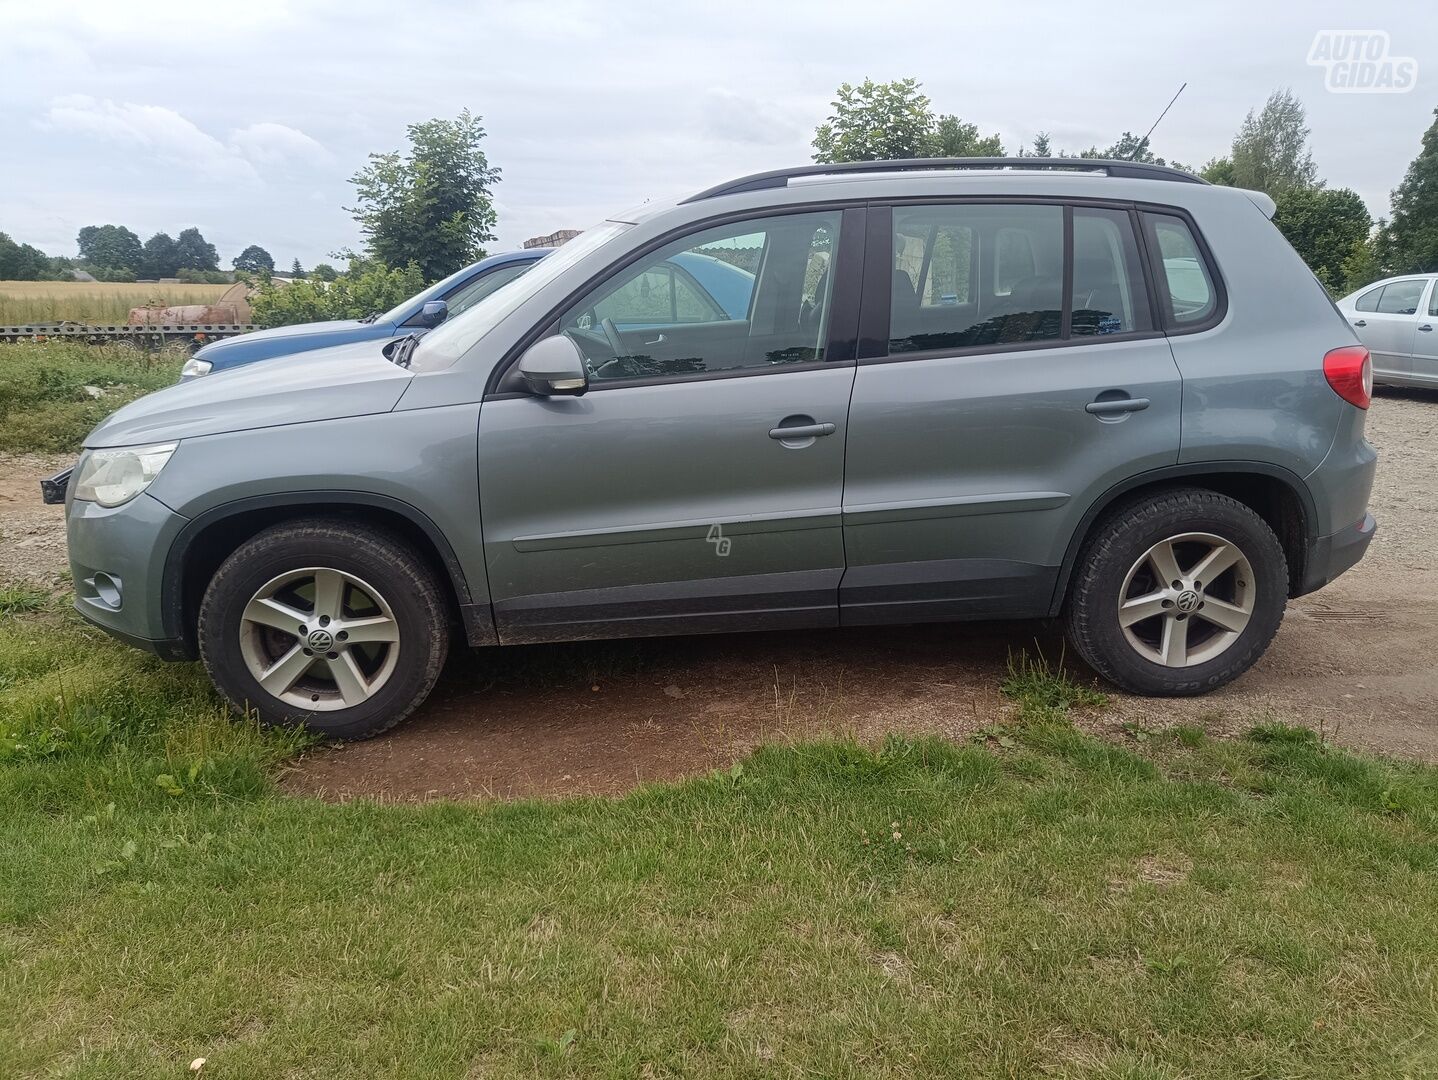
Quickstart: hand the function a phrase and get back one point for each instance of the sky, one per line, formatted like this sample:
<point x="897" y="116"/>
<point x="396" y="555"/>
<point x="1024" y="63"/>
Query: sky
<point x="248" y="118"/>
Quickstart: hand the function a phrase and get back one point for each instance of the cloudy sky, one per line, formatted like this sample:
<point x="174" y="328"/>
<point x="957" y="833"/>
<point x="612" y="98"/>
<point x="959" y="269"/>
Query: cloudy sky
<point x="247" y="118"/>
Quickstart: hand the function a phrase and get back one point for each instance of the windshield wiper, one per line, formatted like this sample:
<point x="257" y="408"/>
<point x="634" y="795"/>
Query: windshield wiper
<point x="371" y="317"/>
<point x="403" y="349"/>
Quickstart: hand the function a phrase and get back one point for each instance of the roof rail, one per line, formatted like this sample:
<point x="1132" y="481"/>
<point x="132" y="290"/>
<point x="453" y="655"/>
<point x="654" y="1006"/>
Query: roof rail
<point x="780" y="177"/>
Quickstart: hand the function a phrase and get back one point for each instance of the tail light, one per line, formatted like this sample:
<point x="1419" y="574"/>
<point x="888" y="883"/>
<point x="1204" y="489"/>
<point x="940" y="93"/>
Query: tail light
<point x="1349" y="371"/>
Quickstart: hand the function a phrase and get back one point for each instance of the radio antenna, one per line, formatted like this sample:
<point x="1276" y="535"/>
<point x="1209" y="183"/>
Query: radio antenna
<point x="1144" y="141"/>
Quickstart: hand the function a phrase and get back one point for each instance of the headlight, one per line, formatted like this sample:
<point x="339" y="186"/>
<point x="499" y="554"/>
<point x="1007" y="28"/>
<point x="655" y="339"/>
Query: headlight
<point x="113" y="477"/>
<point x="194" y="368"/>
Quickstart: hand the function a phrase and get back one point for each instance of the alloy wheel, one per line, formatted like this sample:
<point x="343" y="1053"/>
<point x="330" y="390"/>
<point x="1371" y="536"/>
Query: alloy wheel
<point x="1187" y="599"/>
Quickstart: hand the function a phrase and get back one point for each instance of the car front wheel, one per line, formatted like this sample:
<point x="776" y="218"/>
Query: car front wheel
<point x="327" y="624"/>
<point x="1178" y="593"/>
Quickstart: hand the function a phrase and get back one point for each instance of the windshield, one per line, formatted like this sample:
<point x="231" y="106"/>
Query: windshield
<point x="441" y="347"/>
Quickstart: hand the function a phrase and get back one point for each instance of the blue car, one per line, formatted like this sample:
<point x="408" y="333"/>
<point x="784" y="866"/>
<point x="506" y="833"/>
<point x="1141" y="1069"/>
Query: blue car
<point x="426" y="309"/>
<point x="689" y="287"/>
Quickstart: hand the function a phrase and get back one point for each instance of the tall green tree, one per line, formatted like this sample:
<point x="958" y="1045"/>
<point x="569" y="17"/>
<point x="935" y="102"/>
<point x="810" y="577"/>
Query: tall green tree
<point x="1325" y="226"/>
<point x="953" y="137"/>
<point x="255" y="259"/>
<point x="1270" y="152"/>
<point x="297" y="271"/>
<point x="433" y="206"/>
<point x="110" y="247"/>
<point x="23" y="262"/>
<point x="1411" y="238"/>
<point x="876" y="122"/>
<point x="161" y="257"/>
<point x="194" y="252"/>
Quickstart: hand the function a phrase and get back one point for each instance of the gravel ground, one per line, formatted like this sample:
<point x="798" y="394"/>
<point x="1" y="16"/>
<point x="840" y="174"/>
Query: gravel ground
<point x="1355" y="661"/>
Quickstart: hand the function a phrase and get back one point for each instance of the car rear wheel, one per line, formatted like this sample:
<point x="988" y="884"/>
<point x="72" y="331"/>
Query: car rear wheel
<point x="326" y="624"/>
<point x="1178" y="593"/>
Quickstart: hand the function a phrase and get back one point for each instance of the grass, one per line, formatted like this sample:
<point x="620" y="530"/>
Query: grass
<point x="92" y="301"/>
<point x="1051" y="905"/>
<point x="44" y="404"/>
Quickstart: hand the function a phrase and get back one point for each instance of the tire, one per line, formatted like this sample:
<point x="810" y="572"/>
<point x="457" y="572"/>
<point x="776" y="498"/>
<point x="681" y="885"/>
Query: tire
<point x="1180" y="636"/>
<point x="370" y="614"/>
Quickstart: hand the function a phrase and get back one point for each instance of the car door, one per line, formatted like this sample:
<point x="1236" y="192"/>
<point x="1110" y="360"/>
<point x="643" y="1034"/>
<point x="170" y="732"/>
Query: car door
<point x="696" y="486"/>
<point x="1425" y="341"/>
<point x="1011" y="369"/>
<point x="1386" y="318"/>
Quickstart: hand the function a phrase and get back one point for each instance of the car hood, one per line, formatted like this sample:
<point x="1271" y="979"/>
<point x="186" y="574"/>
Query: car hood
<point x="282" y="332"/>
<point x="324" y="384"/>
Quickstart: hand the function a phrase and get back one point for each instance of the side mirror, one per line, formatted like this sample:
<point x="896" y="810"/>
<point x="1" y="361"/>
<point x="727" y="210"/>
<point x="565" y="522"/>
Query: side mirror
<point x="433" y="313"/>
<point x="554" y="366"/>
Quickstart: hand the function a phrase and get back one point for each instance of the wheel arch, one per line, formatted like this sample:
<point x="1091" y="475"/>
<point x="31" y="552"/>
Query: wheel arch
<point x="1276" y="494"/>
<point x="209" y="538"/>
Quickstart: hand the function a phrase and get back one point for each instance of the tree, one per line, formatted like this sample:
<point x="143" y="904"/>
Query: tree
<point x="876" y="122"/>
<point x="324" y="272"/>
<point x="954" y="138"/>
<point x="161" y="258"/>
<point x="432" y="207"/>
<point x="255" y="259"/>
<point x="1411" y="238"/>
<point x="193" y="252"/>
<point x="296" y="270"/>
<point x="1270" y="152"/>
<point x="22" y="262"/>
<point x="110" y="247"/>
<point x="1218" y="171"/>
<point x="1325" y="226"/>
<point x="1043" y="147"/>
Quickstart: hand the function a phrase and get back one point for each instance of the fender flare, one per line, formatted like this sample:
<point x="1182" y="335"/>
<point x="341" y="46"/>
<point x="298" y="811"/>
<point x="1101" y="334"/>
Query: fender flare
<point x="1287" y="477"/>
<point x="477" y="618"/>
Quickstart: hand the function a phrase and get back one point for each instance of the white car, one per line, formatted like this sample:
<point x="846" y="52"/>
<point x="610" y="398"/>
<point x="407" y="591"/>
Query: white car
<point x="1397" y="319"/>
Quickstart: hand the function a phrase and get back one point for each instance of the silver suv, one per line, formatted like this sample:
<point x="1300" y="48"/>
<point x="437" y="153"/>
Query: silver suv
<point x="902" y="392"/>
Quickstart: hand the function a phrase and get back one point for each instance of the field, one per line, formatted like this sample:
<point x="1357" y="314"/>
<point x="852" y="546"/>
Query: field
<point x="91" y="302"/>
<point x="53" y="393"/>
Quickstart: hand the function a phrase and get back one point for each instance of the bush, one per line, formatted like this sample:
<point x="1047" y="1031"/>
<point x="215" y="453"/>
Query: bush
<point x="366" y="288"/>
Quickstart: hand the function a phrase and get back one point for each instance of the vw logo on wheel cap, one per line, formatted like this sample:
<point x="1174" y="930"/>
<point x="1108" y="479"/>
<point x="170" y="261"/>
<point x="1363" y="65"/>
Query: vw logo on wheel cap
<point x="1187" y="601"/>
<point x="320" y="640"/>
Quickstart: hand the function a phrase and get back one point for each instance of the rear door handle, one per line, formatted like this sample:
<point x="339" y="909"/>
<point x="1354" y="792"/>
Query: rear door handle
<point x="1360" y="322"/>
<point x="801" y="431"/>
<point x="1113" y="406"/>
<point x="1426" y="327"/>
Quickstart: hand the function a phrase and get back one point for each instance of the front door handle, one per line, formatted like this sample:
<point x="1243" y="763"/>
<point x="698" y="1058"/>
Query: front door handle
<point x="801" y="431"/>
<point x="1360" y="322"/>
<point x="1114" y="406"/>
<point x="1426" y="327"/>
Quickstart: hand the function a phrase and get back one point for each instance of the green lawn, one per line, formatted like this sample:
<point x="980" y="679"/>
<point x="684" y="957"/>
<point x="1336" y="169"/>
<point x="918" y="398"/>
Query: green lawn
<point x="44" y="404"/>
<point x="1039" y="904"/>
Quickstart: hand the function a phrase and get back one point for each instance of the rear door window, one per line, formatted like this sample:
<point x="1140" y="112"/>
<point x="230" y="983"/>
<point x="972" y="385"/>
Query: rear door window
<point x="1108" y="289"/>
<point x="1369" y="300"/>
<point x="1401" y="297"/>
<point x="1185" y="283"/>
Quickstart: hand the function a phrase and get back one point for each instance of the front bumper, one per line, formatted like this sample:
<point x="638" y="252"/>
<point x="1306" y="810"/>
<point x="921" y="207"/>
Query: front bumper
<point x="1332" y="555"/>
<point x="117" y="558"/>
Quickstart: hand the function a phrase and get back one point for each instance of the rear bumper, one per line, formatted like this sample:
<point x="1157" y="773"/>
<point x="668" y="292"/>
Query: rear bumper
<point x="1332" y="555"/>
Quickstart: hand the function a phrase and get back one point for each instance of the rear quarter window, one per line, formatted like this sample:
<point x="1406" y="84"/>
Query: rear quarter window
<point x="1185" y="282"/>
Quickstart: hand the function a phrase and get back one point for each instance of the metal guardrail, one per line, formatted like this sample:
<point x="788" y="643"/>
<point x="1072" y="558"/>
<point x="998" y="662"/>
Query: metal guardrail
<point x="132" y="331"/>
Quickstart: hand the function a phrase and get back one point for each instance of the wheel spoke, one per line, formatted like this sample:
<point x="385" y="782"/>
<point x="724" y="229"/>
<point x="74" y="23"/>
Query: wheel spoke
<point x="350" y="681"/>
<point x="329" y="594"/>
<point x="1223" y="614"/>
<point x="376" y="629"/>
<point x="268" y="611"/>
<point x="286" y="671"/>
<point x="1165" y="563"/>
<point x="1173" y="650"/>
<point x="1212" y="565"/>
<point x="1140" y="608"/>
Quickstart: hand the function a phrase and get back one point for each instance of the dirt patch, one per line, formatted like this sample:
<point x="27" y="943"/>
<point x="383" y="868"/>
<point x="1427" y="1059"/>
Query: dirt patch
<point x="32" y="535"/>
<point x="1354" y="661"/>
